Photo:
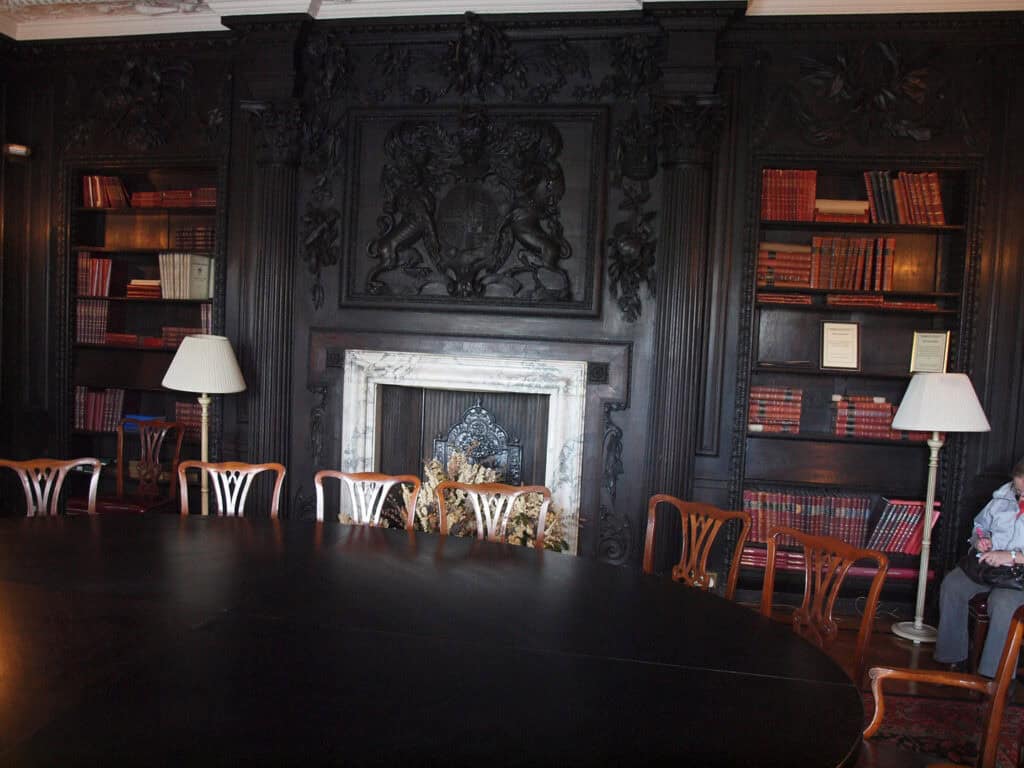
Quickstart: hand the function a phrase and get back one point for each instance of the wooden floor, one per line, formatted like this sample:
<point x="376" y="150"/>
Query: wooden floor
<point x="888" y="650"/>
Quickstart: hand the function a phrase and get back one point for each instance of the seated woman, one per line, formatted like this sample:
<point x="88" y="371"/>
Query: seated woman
<point x="999" y="536"/>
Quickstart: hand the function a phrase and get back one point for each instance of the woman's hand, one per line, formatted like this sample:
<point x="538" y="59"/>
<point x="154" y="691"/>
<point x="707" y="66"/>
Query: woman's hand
<point x="984" y="544"/>
<point x="997" y="557"/>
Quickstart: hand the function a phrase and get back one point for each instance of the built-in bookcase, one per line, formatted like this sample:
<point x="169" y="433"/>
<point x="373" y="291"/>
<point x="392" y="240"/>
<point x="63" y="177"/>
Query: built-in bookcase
<point x="870" y="253"/>
<point x="142" y="255"/>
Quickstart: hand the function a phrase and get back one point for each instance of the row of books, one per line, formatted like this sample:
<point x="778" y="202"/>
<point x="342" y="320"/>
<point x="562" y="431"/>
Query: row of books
<point x="170" y="338"/>
<point x="775" y="409"/>
<point x="842" y="211"/>
<point x="788" y="195"/>
<point x="789" y="560"/>
<point x="103" y="192"/>
<point x="172" y="335"/>
<point x="201" y="197"/>
<point x="900" y="526"/>
<point x="117" y="339"/>
<point x="849" y="301"/>
<point x="91" y="321"/>
<point x="141" y="288"/>
<point x="98" y="410"/>
<point x="185" y="275"/>
<point x="910" y="198"/>
<point x="189" y="415"/>
<point x="198" y="237"/>
<point x="784" y="298"/>
<point x="93" y="276"/>
<point x="843" y="517"/>
<point x="868" y="417"/>
<point x="848" y="263"/>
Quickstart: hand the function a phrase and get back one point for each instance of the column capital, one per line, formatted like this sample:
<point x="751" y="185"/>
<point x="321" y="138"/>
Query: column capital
<point x="278" y="127"/>
<point x="690" y="126"/>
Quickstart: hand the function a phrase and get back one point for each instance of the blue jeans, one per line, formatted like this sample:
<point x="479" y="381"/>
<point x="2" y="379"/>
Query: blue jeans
<point x="951" y="644"/>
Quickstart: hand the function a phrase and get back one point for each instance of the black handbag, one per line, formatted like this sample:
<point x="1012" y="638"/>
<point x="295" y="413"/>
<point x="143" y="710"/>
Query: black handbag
<point x="1002" y="576"/>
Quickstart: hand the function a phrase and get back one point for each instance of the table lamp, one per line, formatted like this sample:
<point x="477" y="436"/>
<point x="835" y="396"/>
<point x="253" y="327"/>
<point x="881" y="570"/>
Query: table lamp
<point x="207" y="365"/>
<point x="934" y="402"/>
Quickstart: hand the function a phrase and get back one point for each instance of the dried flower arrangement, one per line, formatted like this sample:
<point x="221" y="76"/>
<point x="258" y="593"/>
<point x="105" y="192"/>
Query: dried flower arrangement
<point x="522" y="523"/>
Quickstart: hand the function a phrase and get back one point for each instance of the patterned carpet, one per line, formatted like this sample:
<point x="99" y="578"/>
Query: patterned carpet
<point x="948" y="728"/>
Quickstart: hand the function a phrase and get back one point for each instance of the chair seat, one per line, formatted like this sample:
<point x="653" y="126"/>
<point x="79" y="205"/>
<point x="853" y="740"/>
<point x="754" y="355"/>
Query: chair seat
<point x="977" y="606"/>
<point x="125" y="505"/>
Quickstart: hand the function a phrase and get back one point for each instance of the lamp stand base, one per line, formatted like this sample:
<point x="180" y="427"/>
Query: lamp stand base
<point x="919" y="634"/>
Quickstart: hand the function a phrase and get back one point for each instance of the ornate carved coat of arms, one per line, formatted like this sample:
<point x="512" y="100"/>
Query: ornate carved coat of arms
<point x="472" y="211"/>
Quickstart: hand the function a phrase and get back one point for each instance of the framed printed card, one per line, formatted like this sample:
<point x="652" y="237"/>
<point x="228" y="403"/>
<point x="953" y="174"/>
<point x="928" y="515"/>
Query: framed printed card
<point x="840" y="346"/>
<point x="930" y="352"/>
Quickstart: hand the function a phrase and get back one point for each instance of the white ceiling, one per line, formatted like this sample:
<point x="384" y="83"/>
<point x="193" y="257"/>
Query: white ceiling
<point x="51" y="19"/>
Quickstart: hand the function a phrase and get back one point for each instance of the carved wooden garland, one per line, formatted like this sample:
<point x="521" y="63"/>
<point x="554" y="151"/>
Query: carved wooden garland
<point x="142" y="101"/>
<point x="631" y="249"/>
<point x="874" y="91"/>
<point x="615" y="535"/>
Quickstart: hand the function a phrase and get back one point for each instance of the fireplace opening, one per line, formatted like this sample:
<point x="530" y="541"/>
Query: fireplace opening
<point x="413" y="420"/>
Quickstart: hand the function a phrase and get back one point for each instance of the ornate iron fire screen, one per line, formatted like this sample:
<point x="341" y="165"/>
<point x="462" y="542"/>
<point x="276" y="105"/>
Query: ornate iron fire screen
<point x="485" y="442"/>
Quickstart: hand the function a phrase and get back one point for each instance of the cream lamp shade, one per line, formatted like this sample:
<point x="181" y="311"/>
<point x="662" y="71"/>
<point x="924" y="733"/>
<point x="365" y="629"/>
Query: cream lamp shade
<point x="940" y="402"/>
<point x="205" y="364"/>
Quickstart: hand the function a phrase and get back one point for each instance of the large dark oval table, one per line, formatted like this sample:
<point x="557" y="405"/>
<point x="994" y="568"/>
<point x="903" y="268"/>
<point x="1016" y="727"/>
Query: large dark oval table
<point x="157" y="640"/>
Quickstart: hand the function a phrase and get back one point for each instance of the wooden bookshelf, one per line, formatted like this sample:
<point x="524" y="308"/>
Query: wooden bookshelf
<point x="825" y="431"/>
<point x="120" y="292"/>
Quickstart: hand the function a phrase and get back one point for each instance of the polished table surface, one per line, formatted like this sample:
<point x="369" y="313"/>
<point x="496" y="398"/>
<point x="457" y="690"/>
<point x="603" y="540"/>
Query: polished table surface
<point x="157" y="639"/>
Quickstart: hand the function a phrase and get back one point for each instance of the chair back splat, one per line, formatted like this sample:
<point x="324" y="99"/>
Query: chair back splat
<point x="157" y="456"/>
<point x="230" y="481"/>
<point x="701" y="524"/>
<point x="42" y="480"/>
<point x="826" y="563"/>
<point x="367" y="493"/>
<point x="492" y="505"/>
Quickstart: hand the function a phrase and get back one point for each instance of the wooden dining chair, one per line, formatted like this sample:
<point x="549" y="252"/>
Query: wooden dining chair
<point x="701" y="524"/>
<point x="152" y="464"/>
<point x="230" y="481"/>
<point x="994" y="693"/>
<point x="42" y="480"/>
<point x="826" y="563"/>
<point x="492" y="504"/>
<point x="368" y="492"/>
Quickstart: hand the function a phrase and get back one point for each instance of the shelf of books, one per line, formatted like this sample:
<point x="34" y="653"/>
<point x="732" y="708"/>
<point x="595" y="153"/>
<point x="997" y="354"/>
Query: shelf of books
<point x="851" y="265"/>
<point x="890" y="525"/>
<point x="141" y="243"/>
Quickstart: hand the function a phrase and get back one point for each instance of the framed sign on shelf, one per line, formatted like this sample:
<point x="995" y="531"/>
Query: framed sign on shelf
<point x="930" y="352"/>
<point x="840" y="346"/>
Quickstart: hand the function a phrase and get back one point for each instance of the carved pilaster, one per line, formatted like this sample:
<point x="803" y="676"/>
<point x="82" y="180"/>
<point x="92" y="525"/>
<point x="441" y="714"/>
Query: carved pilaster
<point x="271" y="342"/>
<point x="689" y="132"/>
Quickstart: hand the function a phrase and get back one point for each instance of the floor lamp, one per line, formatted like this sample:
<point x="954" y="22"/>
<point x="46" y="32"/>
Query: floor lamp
<point x="206" y="365"/>
<point x="934" y="402"/>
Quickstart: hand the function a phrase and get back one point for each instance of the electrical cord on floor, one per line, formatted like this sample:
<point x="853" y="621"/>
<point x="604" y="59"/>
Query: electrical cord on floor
<point x="880" y="610"/>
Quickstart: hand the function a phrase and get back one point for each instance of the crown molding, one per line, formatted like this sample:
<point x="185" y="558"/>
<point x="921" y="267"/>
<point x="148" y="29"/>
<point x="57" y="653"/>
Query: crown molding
<point x="866" y="7"/>
<point x="60" y="19"/>
<point x="116" y="26"/>
<point x="349" y="9"/>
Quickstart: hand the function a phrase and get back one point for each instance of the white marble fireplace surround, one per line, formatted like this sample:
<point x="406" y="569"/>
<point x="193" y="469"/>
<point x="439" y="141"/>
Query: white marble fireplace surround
<point x="563" y="381"/>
